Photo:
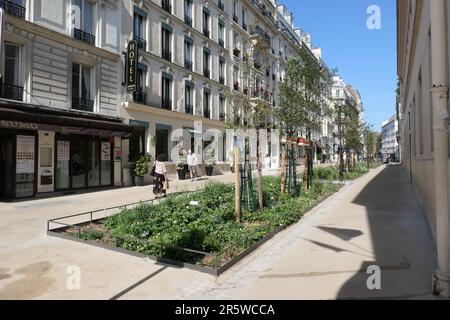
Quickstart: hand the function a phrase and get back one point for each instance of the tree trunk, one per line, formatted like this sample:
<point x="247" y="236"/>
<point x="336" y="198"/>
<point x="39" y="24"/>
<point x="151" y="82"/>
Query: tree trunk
<point x="237" y="184"/>
<point x="260" y="176"/>
<point x="283" y="169"/>
<point x="306" y="171"/>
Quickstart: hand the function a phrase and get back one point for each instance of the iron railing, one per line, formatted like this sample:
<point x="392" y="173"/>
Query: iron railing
<point x="142" y="43"/>
<point x="140" y="97"/>
<point x="222" y="43"/>
<point x="188" y="64"/>
<point x="11" y="92"/>
<point x="166" y="5"/>
<point x="83" y="104"/>
<point x="189" y="109"/>
<point x="188" y="20"/>
<point x="220" y="5"/>
<point x="221" y="79"/>
<point x="258" y="31"/>
<point x="206" y="113"/>
<point x="206" y="73"/>
<point x="166" y="103"/>
<point x="206" y="32"/>
<point x="167" y="55"/>
<point x="13" y="9"/>
<point x="84" y="36"/>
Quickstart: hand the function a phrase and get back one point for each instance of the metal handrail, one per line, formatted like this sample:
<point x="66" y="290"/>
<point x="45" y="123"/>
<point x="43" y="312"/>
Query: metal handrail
<point x="13" y="9"/>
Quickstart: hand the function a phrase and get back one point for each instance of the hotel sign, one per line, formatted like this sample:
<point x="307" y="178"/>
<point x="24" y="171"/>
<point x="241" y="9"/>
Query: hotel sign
<point x="132" y="73"/>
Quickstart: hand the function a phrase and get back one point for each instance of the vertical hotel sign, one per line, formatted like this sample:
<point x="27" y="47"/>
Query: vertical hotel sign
<point x="132" y="55"/>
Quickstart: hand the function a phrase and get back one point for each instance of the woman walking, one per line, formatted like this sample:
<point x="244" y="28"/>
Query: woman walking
<point x="161" y="181"/>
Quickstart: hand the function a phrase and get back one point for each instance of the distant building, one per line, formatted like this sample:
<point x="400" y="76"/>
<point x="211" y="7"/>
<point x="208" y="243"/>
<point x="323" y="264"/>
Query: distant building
<point x="389" y="130"/>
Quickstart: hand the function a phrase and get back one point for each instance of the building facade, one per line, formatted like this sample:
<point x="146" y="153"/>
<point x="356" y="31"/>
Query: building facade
<point x="423" y="72"/>
<point x="389" y="131"/>
<point x="59" y="107"/>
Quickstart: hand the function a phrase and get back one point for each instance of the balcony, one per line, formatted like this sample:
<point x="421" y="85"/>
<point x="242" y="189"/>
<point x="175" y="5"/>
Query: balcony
<point x="264" y="12"/>
<point x="165" y="4"/>
<point x="13" y="9"/>
<point x="206" y="73"/>
<point x="188" y="64"/>
<point x="261" y="94"/>
<point x="166" y="103"/>
<point x="236" y="86"/>
<point x="140" y="97"/>
<point x="236" y="52"/>
<point x="84" y="36"/>
<point x="188" y="20"/>
<point x="260" y="38"/>
<point x="167" y="55"/>
<point x="189" y="109"/>
<point x="142" y="44"/>
<point x="83" y="104"/>
<point x="206" y="32"/>
<point x="222" y="80"/>
<point x="11" y="92"/>
<point x="220" y="5"/>
<point x="235" y="18"/>
<point x="221" y="43"/>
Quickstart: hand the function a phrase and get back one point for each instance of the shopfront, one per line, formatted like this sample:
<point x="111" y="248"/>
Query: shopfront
<point x="45" y="151"/>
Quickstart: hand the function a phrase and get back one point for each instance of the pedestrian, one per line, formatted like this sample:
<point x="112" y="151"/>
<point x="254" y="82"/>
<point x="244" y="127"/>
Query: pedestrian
<point x="161" y="182"/>
<point x="192" y="165"/>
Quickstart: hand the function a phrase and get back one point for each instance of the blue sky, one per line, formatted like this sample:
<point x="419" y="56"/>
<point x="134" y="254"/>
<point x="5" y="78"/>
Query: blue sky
<point x="365" y="58"/>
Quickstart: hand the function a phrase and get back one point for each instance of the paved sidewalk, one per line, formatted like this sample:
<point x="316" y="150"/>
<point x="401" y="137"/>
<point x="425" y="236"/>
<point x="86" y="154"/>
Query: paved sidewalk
<point x="375" y="220"/>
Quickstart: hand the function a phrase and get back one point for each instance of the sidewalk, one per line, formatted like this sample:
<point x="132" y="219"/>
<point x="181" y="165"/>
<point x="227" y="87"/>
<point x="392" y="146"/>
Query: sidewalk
<point x="374" y="220"/>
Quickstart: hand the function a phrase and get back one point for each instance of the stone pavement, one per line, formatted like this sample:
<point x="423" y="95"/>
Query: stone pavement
<point x="375" y="220"/>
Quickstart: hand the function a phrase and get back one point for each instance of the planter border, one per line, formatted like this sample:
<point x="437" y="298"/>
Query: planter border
<point x="219" y="270"/>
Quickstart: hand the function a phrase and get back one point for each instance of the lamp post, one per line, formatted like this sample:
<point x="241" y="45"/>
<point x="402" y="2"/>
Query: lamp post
<point x="341" y="150"/>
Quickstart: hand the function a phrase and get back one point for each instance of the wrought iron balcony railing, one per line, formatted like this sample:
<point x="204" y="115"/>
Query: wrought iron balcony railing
<point x="235" y="18"/>
<point x="13" y="9"/>
<point x="83" y="104"/>
<point x="11" y="92"/>
<point x="236" y="86"/>
<point x="220" y="5"/>
<point x="188" y="20"/>
<point x="140" y="97"/>
<point x="84" y="36"/>
<point x="206" y="73"/>
<point x="142" y="44"/>
<point x="259" y="32"/>
<point x="189" y="109"/>
<point x="221" y="79"/>
<point x="166" y="103"/>
<point x="167" y="55"/>
<point x="222" y="43"/>
<point x="222" y="116"/>
<point x="188" y="64"/>
<point x="166" y="5"/>
<point x="206" y="32"/>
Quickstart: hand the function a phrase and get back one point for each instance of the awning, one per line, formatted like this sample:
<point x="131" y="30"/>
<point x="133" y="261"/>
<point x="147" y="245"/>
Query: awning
<point x="23" y="116"/>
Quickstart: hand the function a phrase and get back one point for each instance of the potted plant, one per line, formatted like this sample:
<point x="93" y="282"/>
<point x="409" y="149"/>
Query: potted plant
<point x="210" y="162"/>
<point x="140" y="168"/>
<point x="182" y="166"/>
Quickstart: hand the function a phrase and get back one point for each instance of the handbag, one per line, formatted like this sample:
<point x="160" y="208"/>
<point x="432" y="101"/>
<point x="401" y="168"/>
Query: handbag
<point x="166" y="184"/>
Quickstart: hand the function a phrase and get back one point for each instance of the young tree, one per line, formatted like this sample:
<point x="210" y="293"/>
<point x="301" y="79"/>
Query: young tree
<point x="351" y="132"/>
<point x="302" y="101"/>
<point x="249" y="109"/>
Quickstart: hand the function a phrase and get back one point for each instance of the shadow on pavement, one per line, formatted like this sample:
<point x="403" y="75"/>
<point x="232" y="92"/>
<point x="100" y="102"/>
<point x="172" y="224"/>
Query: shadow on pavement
<point x="402" y="245"/>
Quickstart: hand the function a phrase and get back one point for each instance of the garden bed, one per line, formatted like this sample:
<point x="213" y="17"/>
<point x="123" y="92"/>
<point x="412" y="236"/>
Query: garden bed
<point x="332" y="173"/>
<point x="197" y="230"/>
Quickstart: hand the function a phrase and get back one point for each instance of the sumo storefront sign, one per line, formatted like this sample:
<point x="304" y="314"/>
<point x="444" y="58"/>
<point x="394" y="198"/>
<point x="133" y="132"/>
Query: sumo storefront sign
<point x="7" y="124"/>
<point x="132" y="55"/>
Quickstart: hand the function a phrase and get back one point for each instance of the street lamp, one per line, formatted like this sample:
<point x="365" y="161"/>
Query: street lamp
<point x="341" y="151"/>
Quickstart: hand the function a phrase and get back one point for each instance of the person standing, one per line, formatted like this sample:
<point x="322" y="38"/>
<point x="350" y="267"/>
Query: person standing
<point x="192" y="165"/>
<point x="161" y="181"/>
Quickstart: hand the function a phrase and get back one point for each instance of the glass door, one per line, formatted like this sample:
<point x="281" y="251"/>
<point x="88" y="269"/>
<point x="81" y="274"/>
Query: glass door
<point x="78" y="165"/>
<point x="93" y="164"/>
<point x="6" y="167"/>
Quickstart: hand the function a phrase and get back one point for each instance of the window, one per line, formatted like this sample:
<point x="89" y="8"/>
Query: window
<point x="222" y="33"/>
<point x="221" y="108"/>
<point x="235" y="17"/>
<point x="166" y="36"/>
<point x="205" y="19"/>
<point x="244" y="20"/>
<point x="84" y="12"/>
<point x="81" y="88"/>
<point x="188" y="53"/>
<point x="206" y="103"/>
<point x="166" y="92"/>
<point x="140" y="95"/>
<point x="221" y="70"/>
<point x="206" y="61"/>
<point x="188" y="12"/>
<point x="166" y="5"/>
<point x="188" y="98"/>
<point x="11" y="87"/>
<point x="138" y="30"/>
